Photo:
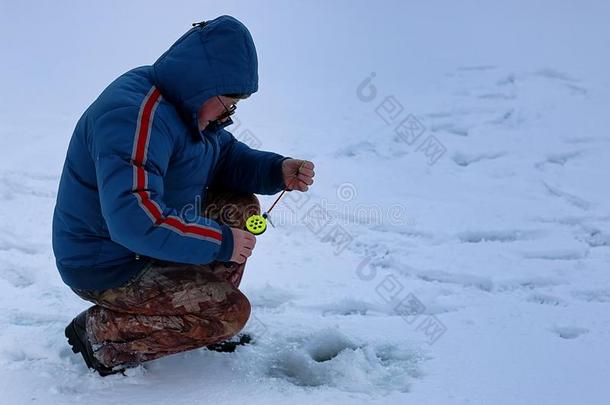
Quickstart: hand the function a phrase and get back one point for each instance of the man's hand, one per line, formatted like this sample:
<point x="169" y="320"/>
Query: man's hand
<point x="243" y="244"/>
<point x="298" y="174"/>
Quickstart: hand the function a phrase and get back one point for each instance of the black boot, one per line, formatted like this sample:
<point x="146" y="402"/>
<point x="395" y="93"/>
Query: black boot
<point x="229" y="346"/>
<point x="77" y="338"/>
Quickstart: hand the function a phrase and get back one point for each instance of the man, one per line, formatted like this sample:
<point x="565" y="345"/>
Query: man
<point x="151" y="209"/>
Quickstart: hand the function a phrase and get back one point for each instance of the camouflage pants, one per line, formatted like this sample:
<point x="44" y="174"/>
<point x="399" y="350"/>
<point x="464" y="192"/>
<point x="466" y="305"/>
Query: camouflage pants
<point x="172" y="307"/>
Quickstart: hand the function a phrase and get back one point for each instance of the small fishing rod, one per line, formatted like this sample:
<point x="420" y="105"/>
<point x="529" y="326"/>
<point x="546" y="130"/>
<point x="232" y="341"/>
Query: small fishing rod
<point x="257" y="224"/>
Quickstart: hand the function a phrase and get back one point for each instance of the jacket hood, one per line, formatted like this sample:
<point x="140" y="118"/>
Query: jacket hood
<point x="214" y="58"/>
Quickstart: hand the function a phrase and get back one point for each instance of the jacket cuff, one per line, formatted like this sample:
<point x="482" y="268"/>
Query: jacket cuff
<point x="277" y="178"/>
<point x="226" y="246"/>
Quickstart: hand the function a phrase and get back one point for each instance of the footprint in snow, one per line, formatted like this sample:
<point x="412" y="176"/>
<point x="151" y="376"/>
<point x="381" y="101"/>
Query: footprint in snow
<point x="569" y="332"/>
<point x="463" y="159"/>
<point x="544" y="299"/>
<point x="330" y="358"/>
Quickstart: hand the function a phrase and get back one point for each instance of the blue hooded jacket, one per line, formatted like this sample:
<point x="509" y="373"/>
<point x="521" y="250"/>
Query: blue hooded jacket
<point x="137" y="165"/>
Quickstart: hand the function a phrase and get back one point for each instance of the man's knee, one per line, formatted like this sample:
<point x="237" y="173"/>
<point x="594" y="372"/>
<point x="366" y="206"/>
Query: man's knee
<point x="228" y="319"/>
<point x="231" y="208"/>
<point x="239" y="313"/>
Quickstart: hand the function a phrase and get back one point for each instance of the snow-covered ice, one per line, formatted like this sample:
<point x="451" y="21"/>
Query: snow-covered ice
<point x="455" y="248"/>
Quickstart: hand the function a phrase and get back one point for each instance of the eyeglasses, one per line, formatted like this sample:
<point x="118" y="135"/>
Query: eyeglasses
<point x="228" y="110"/>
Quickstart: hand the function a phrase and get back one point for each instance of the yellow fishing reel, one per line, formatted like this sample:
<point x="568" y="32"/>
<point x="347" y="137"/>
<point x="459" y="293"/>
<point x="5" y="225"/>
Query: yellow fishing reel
<point x="257" y="224"/>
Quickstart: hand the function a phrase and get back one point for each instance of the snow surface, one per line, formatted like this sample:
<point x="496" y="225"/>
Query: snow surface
<point x="476" y="267"/>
